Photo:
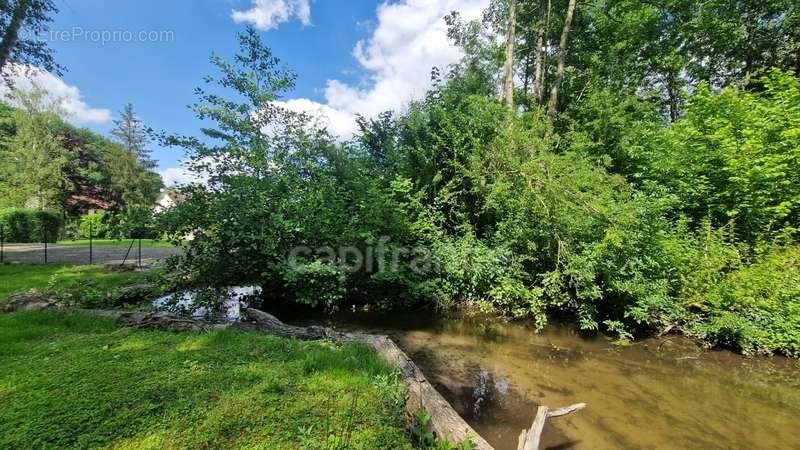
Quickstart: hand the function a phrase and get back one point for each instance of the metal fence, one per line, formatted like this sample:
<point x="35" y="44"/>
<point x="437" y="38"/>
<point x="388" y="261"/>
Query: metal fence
<point x="126" y="251"/>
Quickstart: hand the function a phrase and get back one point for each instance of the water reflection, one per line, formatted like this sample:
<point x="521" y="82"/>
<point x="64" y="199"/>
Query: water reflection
<point x="188" y="303"/>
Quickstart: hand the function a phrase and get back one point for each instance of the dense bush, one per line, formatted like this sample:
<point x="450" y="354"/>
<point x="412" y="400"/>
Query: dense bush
<point x="625" y="222"/>
<point x="315" y="283"/>
<point x="734" y="158"/>
<point x="30" y="225"/>
<point x="752" y="305"/>
<point x="135" y="222"/>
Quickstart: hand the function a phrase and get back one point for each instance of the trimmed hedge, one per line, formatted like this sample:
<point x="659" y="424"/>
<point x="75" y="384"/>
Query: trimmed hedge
<point x="29" y="225"/>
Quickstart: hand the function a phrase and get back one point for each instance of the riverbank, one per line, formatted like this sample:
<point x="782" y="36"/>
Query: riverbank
<point x="102" y="386"/>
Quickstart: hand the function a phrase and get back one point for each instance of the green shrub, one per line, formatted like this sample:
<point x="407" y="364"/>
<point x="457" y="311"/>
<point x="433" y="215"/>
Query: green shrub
<point x="315" y="283"/>
<point x="30" y="225"/>
<point x="94" y="225"/>
<point x="756" y="307"/>
<point x="734" y="157"/>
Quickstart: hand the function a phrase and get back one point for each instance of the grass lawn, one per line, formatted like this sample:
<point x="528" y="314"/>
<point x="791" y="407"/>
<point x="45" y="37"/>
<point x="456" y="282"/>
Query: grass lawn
<point x="88" y="280"/>
<point x="115" y="242"/>
<point x="71" y="381"/>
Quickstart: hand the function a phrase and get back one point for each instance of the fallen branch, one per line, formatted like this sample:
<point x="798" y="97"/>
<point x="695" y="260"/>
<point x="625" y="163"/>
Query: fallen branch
<point x="155" y="320"/>
<point x="530" y="439"/>
<point x="566" y="410"/>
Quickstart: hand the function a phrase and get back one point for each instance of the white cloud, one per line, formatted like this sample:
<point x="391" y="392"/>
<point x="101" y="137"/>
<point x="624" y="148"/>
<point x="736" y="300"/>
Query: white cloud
<point x="409" y="39"/>
<point x="67" y="97"/>
<point x="340" y="123"/>
<point x="174" y="176"/>
<point x="268" y="14"/>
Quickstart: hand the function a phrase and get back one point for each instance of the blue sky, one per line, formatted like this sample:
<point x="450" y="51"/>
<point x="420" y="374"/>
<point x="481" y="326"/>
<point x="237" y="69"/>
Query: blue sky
<point x="351" y="56"/>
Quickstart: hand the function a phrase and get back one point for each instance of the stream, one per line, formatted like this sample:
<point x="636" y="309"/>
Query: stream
<point x="656" y="394"/>
<point x="662" y="393"/>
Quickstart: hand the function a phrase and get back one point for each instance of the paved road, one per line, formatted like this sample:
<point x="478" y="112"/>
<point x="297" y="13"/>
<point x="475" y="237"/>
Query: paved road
<point x="72" y="254"/>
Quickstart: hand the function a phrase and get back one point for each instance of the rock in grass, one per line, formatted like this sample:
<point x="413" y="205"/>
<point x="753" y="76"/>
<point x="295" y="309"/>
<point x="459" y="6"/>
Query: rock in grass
<point x="131" y="295"/>
<point x="29" y="302"/>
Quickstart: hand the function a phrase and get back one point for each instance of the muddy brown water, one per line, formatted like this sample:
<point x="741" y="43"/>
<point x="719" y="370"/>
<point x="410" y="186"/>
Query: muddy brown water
<point x="654" y="394"/>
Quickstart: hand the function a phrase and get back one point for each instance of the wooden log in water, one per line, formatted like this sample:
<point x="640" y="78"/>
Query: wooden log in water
<point x="566" y="410"/>
<point x="521" y="440"/>
<point x="531" y="439"/>
<point x="534" y="435"/>
<point x="422" y="396"/>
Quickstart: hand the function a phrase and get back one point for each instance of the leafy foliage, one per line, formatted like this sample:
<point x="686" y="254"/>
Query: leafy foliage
<point x="94" y="225"/>
<point x="734" y="157"/>
<point x="22" y="23"/>
<point x="757" y="307"/>
<point x="642" y="207"/>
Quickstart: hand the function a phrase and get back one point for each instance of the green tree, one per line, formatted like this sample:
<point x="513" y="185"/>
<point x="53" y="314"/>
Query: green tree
<point x="129" y="183"/>
<point x="37" y="163"/>
<point x="253" y="159"/>
<point x="48" y="163"/>
<point x="132" y="134"/>
<point x="32" y="17"/>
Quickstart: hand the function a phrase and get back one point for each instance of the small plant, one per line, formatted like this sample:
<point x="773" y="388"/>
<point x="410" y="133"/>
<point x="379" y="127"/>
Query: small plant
<point x="615" y="326"/>
<point x="93" y="226"/>
<point x="305" y="436"/>
<point x="391" y="391"/>
<point x="419" y="430"/>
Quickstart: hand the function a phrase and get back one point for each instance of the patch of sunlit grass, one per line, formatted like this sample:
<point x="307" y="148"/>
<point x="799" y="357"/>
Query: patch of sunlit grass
<point x="70" y="381"/>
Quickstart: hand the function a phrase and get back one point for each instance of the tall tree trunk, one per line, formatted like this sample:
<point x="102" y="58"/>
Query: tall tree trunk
<point x="527" y="75"/>
<point x="749" y="51"/>
<point x="552" y="105"/>
<point x="540" y="72"/>
<point x="673" y="96"/>
<point x="508" y="71"/>
<point x="797" y="62"/>
<point x="12" y="32"/>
